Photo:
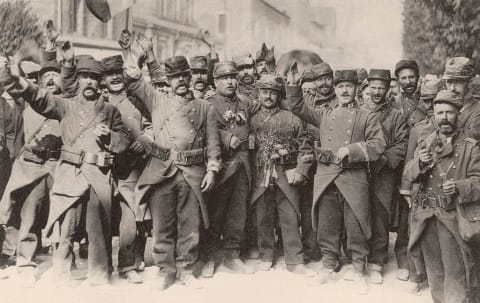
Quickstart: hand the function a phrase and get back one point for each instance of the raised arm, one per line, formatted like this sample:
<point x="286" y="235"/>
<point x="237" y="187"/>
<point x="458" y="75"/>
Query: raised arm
<point x="297" y="105"/>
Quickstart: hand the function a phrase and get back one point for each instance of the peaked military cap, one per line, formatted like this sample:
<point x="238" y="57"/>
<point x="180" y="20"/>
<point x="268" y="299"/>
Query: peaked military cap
<point x="320" y="69"/>
<point x="430" y="88"/>
<point x="89" y="66"/>
<point x="159" y="76"/>
<point x="224" y="68"/>
<point x="402" y="64"/>
<point x="459" y="68"/>
<point x="243" y="60"/>
<point x="30" y="69"/>
<point x="112" y="63"/>
<point x="379" y="74"/>
<point x="199" y="63"/>
<point x="49" y="66"/>
<point x="176" y="65"/>
<point x="349" y="75"/>
<point x="447" y="96"/>
<point x="270" y="82"/>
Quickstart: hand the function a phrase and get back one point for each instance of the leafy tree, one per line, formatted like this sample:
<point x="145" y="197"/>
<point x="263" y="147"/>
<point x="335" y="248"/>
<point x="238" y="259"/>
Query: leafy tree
<point x="18" y="25"/>
<point x="435" y="30"/>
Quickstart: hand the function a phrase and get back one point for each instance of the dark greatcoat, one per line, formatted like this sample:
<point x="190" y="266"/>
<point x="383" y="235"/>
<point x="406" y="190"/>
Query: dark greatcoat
<point x="176" y="120"/>
<point x="384" y="171"/>
<point x="288" y="130"/>
<point x="465" y="156"/>
<point x="354" y="128"/>
<point x="72" y="182"/>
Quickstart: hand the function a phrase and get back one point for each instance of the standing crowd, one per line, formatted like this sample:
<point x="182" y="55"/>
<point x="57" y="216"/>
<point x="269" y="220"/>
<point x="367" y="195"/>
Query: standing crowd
<point x="223" y="161"/>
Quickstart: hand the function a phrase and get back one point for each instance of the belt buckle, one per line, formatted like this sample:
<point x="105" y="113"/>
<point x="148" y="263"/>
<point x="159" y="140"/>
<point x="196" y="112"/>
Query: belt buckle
<point x="442" y="202"/>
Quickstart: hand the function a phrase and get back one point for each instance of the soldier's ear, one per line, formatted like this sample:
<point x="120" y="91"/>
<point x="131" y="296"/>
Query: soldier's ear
<point x="215" y="82"/>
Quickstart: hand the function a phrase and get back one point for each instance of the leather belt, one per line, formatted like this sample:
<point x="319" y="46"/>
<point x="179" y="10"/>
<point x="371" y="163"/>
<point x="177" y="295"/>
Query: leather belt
<point x="40" y="155"/>
<point x="78" y="157"/>
<point x="290" y="158"/>
<point x="181" y="157"/>
<point x="440" y="201"/>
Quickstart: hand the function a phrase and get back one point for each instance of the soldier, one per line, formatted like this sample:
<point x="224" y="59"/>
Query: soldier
<point x="447" y="166"/>
<point x="407" y="73"/>
<point x="199" y="80"/>
<point x="176" y="177"/>
<point x="407" y="270"/>
<point x="91" y="131"/>
<point x="246" y="77"/>
<point x="322" y="78"/>
<point x="457" y="75"/>
<point x="349" y="138"/>
<point x="383" y="179"/>
<point x="362" y="83"/>
<point x="128" y="168"/>
<point x="282" y="158"/>
<point x="363" y="95"/>
<point x="26" y="195"/>
<point x="228" y="201"/>
<point x="265" y="61"/>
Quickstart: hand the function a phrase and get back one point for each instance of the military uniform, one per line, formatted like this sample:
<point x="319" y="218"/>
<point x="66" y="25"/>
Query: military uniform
<point x="128" y="168"/>
<point x="450" y="267"/>
<point x="83" y="175"/>
<point x="279" y="133"/>
<point x="340" y="198"/>
<point x="316" y="101"/>
<point x="24" y="207"/>
<point x="383" y="182"/>
<point x="228" y="201"/>
<point x="185" y="132"/>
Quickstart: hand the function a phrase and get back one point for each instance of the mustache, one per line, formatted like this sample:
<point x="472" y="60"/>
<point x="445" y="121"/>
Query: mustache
<point x="445" y="122"/>
<point x="200" y="80"/>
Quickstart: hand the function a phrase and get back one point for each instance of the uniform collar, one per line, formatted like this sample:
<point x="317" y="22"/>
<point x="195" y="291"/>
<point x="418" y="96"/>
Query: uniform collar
<point x="270" y="111"/>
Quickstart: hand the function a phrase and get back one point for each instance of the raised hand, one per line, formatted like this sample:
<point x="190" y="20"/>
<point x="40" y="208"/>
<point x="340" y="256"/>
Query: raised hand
<point x="51" y="34"/>
<point x="125" y="39"/>
<point x="67" y="54"/>
<point x="294" y="78"/>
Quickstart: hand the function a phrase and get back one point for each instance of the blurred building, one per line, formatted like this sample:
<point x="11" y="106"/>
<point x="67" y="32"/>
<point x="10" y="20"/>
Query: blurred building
<point x="244" y="25"/>
<point x="169" y="22"/>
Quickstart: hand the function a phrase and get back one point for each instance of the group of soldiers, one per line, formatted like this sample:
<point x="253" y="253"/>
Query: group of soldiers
<point x="221" y="161"/>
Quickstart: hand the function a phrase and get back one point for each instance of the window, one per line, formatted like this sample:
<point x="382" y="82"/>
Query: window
<point x="222" y="23"/>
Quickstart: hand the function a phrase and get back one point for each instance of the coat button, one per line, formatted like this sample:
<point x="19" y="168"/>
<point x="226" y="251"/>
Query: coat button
<point x="346" y="142"/>
<point x="331" y="127"/>
<point x="232" y="126"/>
<point x="348" y="131"/>
<point x="349" y="121"/>
<point x="172" y="138"/>
<point x="228" y="107"/>
<point x="333" y="118"/>
<point x="191" y="120"/>
<point x="430" y="188"/>
<point x="329" y="139"/>
<point x="191" y="131"/>
<point x="82" y="124"/>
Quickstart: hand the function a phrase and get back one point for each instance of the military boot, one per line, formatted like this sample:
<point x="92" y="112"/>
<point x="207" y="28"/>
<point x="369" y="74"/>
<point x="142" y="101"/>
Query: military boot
<point x="375" y="273"/>
<point x="300" y="269"/>
<point x="238" y="266"/>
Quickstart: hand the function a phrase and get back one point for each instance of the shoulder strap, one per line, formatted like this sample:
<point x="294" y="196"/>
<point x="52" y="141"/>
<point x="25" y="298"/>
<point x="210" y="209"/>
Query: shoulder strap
<point x="471" y="140"/>
<point x="36" y="131"/>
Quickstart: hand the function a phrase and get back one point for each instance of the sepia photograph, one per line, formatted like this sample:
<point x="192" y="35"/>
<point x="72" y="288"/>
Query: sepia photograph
<point x="211" y="151"/>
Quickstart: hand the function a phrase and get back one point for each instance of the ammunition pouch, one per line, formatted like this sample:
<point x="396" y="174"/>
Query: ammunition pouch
<point x="324" y="156"/>
<point x="440" y="201"/>
<point x="40" y="154"/>
<point x="78" y="157"/>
